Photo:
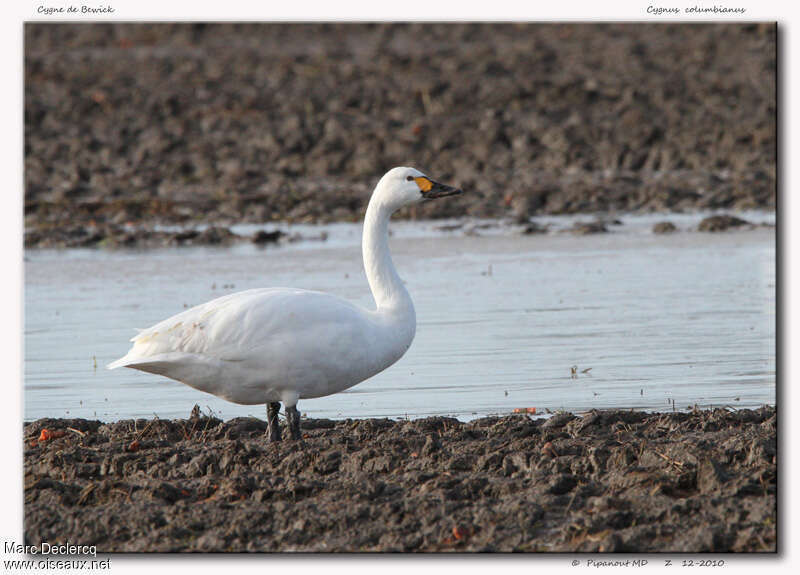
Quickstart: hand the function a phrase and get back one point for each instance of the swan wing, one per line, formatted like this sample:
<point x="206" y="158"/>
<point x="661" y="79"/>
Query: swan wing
<point x="235" y="327"/>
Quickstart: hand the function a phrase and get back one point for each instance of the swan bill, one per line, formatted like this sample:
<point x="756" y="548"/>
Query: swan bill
<point x="437" y="190"/>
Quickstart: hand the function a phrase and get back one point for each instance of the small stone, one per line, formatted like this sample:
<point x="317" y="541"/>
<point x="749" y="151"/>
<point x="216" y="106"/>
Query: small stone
<point x="265" y="237"/>
<point x="721" y="223"/>
<point x="664" y="228"/>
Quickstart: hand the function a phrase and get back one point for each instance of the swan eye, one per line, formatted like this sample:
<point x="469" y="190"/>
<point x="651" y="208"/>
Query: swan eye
<point x="410" y="178"/>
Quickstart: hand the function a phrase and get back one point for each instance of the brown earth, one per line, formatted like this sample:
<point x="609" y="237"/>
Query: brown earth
<point x="137" y="124"/>
<point x="697" y="481"/>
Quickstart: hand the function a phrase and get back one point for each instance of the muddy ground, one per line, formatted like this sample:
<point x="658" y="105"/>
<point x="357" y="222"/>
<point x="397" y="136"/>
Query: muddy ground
<point x="697" y="481"/>
<point x="132" y="125"/>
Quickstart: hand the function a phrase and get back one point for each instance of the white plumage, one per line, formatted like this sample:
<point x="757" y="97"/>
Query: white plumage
<point x="283" y="344"/>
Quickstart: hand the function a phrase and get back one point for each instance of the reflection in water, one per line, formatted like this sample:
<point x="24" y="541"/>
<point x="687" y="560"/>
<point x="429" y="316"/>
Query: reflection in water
<point x="688" y="317"/>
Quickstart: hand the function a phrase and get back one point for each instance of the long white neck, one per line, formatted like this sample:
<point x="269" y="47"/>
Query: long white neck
<point x="387" y="288"/>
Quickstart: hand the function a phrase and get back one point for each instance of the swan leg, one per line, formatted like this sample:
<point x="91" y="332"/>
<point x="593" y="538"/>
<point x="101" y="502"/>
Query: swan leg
<point x="293" y="419"/>
<point x="273" y="426"/>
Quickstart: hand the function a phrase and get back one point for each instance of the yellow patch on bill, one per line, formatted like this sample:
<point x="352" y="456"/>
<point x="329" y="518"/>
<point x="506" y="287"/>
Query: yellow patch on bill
<point x="424" y="183"/>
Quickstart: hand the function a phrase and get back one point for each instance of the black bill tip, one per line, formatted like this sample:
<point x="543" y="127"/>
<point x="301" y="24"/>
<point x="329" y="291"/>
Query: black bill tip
<point x="440" y="191"/>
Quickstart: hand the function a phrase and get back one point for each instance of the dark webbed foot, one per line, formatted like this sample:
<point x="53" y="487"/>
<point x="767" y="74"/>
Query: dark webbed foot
<point x="273" y="426"/>
<point x="293" y="419"/>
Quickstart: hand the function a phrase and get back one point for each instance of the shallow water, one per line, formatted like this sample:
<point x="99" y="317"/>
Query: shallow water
<point x="502" y="319"/>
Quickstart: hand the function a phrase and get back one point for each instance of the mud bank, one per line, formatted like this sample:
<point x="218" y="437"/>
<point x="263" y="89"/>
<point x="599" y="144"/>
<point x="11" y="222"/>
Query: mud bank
<point x="111" y="236"/>
<point x="224" y="123"/>
<point x="606" y="481"/>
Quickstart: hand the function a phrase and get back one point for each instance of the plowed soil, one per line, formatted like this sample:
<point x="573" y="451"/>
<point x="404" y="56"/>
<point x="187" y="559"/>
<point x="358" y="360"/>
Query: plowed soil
<point x="130" y="125"/>
<point x="697" y="481"/>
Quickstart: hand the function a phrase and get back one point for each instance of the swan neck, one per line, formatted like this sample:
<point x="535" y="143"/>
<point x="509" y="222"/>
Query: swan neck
<point x="386" y="286"/>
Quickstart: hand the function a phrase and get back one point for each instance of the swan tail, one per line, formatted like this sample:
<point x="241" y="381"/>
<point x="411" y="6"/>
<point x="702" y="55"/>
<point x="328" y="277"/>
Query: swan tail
<point x="152" y="363"/>
<point x="121" y="362"/>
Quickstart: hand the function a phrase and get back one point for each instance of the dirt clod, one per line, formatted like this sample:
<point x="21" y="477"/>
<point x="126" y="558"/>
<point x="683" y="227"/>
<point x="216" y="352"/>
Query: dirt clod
<point x="721" y="223"/>
<point x="664" y="228"/>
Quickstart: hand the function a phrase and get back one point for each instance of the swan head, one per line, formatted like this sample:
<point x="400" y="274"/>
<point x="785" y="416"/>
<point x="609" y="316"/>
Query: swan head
<point x="401" y="187"/>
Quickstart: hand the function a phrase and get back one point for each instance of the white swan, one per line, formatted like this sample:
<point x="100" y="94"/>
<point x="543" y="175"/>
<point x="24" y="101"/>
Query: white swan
<point x="283" y="344"/>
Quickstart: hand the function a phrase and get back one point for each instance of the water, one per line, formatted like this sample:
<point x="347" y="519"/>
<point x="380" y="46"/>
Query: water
<point x="502" y="319"/>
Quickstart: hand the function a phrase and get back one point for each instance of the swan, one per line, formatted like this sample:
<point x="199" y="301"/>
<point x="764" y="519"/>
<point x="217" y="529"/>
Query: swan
<point x="273" y="345"/>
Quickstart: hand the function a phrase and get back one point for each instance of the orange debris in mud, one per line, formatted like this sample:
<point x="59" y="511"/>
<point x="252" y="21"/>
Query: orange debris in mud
<point x="460" y="532"/>
<point x="548" y="449"/>
<point x="47" y="435"/>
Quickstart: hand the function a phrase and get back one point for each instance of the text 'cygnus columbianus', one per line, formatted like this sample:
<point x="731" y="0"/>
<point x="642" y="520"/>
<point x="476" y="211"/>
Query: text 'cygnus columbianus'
<point x="284" y="344"/>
